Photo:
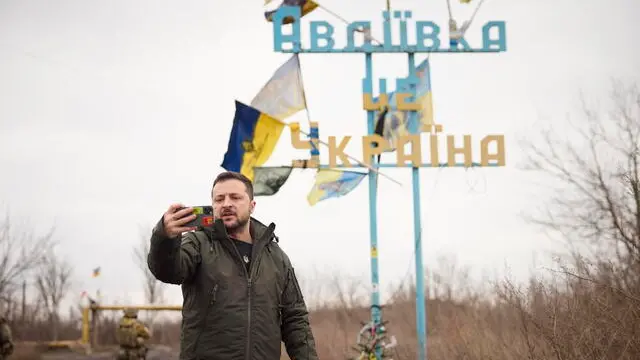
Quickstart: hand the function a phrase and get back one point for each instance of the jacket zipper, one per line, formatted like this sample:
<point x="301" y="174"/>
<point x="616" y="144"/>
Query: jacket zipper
<point x="254" y="260"/>
<point x="248" y="277"/>
<point x="248" y="351"/>
<point x="212" y="300"/>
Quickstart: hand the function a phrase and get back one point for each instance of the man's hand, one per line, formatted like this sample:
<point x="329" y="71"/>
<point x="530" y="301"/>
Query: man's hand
<point x="174" y="220"/>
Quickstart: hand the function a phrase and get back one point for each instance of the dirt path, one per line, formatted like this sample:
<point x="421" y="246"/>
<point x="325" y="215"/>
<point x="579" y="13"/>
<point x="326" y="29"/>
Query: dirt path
<point x="158" y="352"/>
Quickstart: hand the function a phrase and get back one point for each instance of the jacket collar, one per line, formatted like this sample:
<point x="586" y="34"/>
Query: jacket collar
<point x="259" y="231"/>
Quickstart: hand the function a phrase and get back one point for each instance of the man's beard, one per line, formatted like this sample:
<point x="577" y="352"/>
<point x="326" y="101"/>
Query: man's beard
<point x="237" y="225"/>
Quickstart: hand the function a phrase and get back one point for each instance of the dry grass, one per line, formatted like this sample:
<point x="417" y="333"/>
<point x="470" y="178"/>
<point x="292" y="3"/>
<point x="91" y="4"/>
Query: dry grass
<point x="575" y="314"/>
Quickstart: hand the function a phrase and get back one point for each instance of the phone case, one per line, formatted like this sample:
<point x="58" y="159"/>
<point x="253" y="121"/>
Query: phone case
<point x="204" y="217"/>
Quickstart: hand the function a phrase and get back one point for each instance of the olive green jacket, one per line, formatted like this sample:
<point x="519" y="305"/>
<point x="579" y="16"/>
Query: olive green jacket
<point x="227" y="313"/>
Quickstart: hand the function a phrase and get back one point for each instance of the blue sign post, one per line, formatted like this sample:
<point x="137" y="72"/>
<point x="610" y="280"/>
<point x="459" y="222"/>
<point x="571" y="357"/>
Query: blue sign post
<point x="323" y="41"/>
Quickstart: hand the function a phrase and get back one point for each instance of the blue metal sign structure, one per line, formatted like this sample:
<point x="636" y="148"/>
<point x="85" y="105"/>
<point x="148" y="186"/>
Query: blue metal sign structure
<point x="428" y="41"/>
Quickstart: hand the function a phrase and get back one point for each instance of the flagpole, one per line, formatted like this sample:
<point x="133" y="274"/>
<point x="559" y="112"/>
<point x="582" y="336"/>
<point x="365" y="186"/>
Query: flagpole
<point x="376" y="311"/>
<point x="315" y="153"/>
<point x="421" y="316"/>
<point x="304" y="92"/>
<point x="373" y="219"/>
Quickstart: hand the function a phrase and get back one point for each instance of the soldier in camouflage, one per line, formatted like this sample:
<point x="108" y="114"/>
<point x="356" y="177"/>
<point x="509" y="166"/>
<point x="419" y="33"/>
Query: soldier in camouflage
<point x="6" y="341"/>
<point x="131" y="336"/>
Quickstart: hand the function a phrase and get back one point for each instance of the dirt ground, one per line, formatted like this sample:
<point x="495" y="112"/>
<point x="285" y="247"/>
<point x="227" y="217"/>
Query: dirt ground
<point x="156" y="352"/>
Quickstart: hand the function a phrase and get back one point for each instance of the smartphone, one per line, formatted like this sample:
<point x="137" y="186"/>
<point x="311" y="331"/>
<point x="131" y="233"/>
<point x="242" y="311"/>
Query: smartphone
<point x="204" y="217"/>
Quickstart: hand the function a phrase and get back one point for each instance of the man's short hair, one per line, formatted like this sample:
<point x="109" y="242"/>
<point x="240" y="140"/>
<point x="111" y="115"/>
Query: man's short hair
<point x="232" y="175"/>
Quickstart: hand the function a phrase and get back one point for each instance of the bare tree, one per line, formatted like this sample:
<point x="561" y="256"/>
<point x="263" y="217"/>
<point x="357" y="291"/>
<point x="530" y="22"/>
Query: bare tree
<point x="153" y="289"/>
<point x="21" y="252"/>
<point x="596" y="168"/>
<point x="349" y="291"/>
<point x="52" y="282"/>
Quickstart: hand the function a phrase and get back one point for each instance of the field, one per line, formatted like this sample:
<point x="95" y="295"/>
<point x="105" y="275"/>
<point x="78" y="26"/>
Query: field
<point x="564" y="316"/>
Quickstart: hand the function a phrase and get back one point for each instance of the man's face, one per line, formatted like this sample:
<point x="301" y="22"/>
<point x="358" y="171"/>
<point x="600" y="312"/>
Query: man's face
<point x="231" y="204"/>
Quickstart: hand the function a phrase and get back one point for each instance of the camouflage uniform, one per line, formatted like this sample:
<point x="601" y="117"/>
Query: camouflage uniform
<point x="6" y="341"/>
<point x="131" y="335"/>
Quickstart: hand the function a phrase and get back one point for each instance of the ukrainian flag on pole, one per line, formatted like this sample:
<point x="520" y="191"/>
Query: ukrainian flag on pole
<point x="332" y="183"/>
<point x="254" y="136"/>
<point x="396" y="122"/>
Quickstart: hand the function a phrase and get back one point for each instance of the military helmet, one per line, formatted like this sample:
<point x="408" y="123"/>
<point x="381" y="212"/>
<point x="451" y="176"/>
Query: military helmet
<point x="132" y="313"/>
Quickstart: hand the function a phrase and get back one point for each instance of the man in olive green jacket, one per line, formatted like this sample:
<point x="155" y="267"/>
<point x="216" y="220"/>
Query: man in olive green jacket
<point x="241" y="295"/>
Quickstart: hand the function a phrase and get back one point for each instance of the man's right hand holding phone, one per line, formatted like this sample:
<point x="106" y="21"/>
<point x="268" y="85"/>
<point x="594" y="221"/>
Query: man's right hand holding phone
<point x="175" y="218"/>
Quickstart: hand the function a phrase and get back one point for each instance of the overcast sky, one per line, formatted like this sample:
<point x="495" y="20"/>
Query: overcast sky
<point x="112" y="110"/>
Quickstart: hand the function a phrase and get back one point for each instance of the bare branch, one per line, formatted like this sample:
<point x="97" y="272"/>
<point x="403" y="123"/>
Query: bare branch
<point x="21" y="252"/>
<point x="580" y="277"/>
<point x="595" y="166"/>
<point x="153" y="289"/>
<point x="53" y="282"/>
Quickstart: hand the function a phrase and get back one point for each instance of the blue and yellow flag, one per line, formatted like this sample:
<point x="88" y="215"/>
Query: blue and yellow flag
<point x="396" y="122"/>
<point x="306" y="6"/>
<point x="254" y="136"/>
<point x="96" y="272"/>
<point x="332" y="183"/>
